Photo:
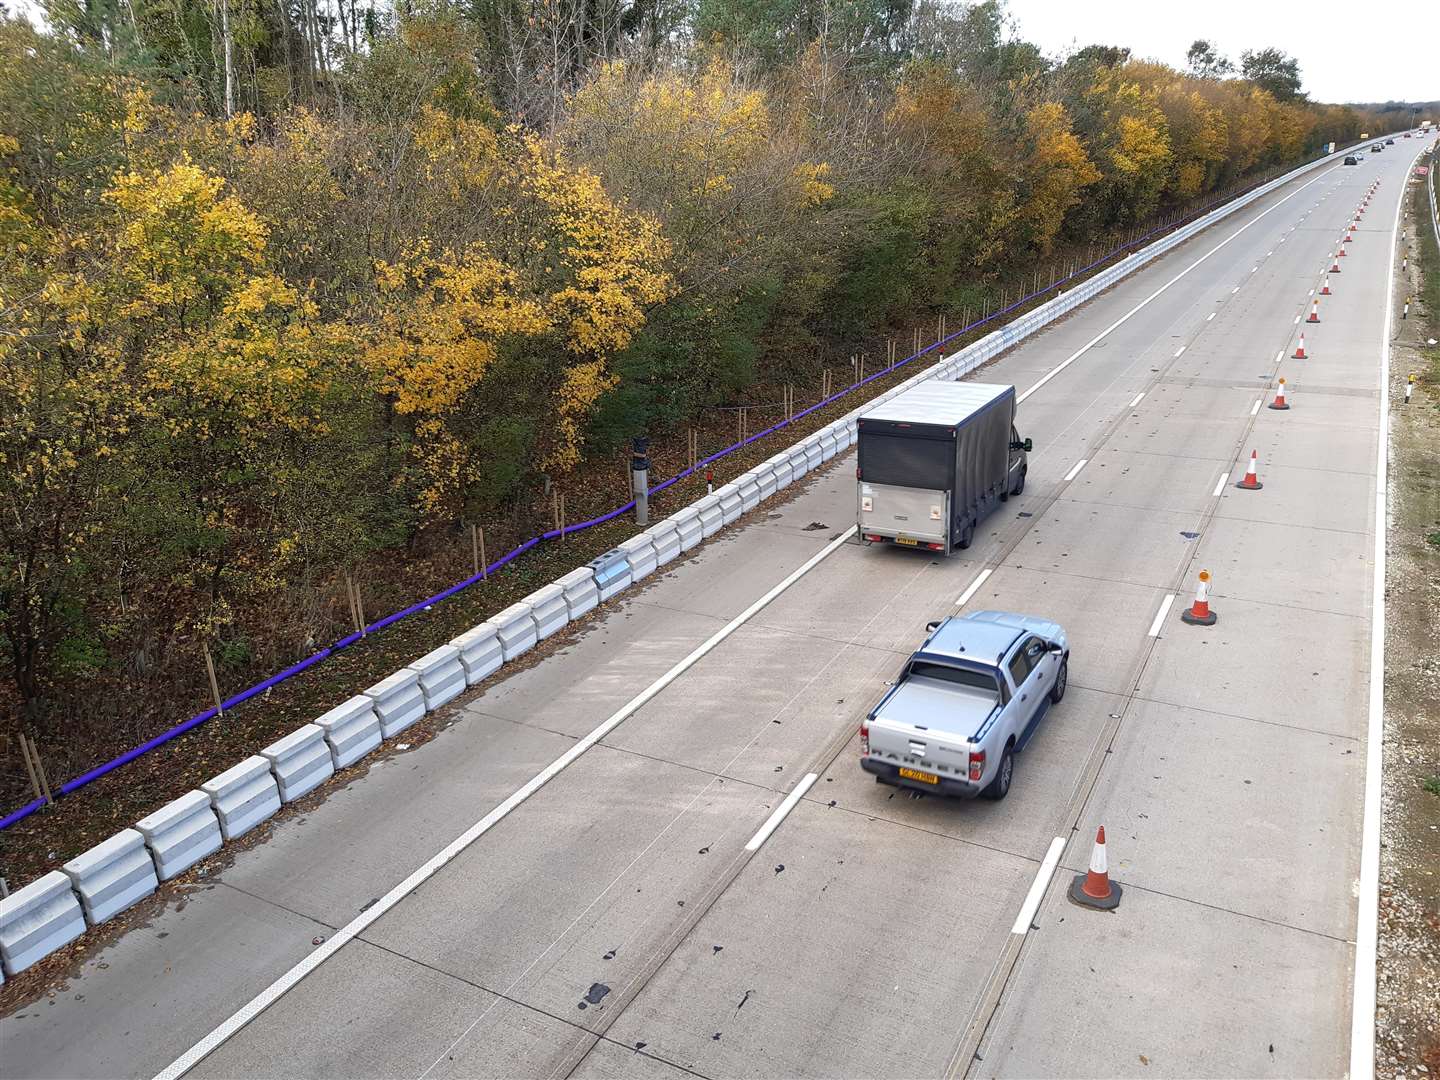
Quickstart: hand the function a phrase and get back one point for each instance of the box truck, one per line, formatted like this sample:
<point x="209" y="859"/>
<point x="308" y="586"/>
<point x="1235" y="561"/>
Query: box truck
<point x="934" y="460"/>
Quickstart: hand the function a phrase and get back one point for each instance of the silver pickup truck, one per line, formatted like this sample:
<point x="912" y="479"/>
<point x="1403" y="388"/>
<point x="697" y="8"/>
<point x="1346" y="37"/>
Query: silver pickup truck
<point x="966" y="702"/>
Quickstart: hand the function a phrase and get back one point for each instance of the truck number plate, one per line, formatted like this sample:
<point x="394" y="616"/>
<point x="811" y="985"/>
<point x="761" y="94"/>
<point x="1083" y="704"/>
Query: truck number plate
<point x="906" y="541"/>
<point x="916" y="774"/>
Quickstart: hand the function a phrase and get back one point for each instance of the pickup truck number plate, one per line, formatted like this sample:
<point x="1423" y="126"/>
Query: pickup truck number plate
<point x="906" y="541"/>
<point x="916" y="774"/>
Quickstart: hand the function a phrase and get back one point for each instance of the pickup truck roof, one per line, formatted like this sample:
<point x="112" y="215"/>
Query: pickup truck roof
<point x="983" y="637"/>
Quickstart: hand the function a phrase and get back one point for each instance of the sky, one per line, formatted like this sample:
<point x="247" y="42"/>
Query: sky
<point x="1375" y="50"/>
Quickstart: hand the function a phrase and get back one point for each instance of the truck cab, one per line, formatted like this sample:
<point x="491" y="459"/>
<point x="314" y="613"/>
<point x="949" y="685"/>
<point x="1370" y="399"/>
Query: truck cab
<point x="965" y="703"/>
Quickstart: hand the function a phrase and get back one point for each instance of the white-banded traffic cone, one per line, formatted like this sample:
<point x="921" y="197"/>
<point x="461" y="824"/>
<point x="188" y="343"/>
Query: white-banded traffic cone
<point x="1335" y="263"/>
<point x="1252" y="478"/>
<point x="1200" y="614"/>
<point x="1314" y="311"/>
<point x="1325" y="286"/>
<point x="1280" y="402"/>
<point x="1095" y="889"/>
<point x="1300" y="348"/>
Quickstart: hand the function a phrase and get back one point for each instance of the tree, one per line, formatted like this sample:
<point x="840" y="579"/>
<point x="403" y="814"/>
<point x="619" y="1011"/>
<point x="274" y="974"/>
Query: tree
<point x="1272" y="70"/>
<point x="1205" y="60"/>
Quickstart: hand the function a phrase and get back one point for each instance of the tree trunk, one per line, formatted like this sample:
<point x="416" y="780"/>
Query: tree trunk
<point x="229" y="44"/>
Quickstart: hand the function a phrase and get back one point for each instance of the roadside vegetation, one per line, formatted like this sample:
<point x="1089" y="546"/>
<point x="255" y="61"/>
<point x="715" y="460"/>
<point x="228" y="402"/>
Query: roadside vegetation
<point x="290" y="293"/>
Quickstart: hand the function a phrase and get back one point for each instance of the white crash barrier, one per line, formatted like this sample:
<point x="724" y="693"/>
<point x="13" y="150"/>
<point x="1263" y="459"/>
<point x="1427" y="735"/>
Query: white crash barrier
<point x="516" y="629"/>
<point x="181" y="833"/>
<point x="749" y="485"/>
<point x="666" y="538"/>
<point x="688" y="528"/>
<point x="442" y="676"/>
<point x="765" y="476"/>
<point x="612" y="572"/>
<point x="112" y="875"/>
<point x="37" y="920"/>
<point x="243" y="796"/>
<point x="784" y="471"/>
<point x="300" y="762"/>
<point x="480" y="651"/>
<point x="814" y="456"/>
<point x="581" y="594"/>
<point x="829" y="445"/>
<point x="399" y="701"/>
<point x="640" y="554"/>
<point x="712" y="514"/>
<point x="351" y="730"/>
<point x="731" y="504"/>
<point x="548" y="607"/>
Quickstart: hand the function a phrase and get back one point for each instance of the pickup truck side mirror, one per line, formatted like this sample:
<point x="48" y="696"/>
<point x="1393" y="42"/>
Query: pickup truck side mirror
<point x="1029" y="445"/>
<point x="1056" y="647"/>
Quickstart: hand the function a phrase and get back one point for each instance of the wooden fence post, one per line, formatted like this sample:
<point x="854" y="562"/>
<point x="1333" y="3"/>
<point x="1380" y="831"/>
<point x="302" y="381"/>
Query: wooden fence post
<point x="214" y="683"/>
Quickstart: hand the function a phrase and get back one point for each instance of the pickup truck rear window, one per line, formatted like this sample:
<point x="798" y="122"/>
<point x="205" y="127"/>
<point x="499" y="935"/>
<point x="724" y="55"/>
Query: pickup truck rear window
<point x="958" y="675"/>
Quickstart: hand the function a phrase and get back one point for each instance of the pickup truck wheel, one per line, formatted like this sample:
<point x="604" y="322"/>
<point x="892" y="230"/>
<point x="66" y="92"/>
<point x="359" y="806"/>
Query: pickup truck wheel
<point x="1061" y="677"/>
<point x="1019" y="484"/>
<point x="998" y="788"/>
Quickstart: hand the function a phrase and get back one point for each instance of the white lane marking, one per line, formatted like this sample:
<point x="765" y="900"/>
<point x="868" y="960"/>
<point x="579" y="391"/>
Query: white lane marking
<point x="272" y="993"/>
<point x="1297" y="320"/>
<point x="1280" y="356"/>
<point x="1138" y="307"/>
<point x="1234" y="290"/>
<point x="1362" y="1006"/>
<point x="1075" y="469"/>
<point x="1038" y="886"/>
<point x="1136" y="400"/>
<point x="1160" y="615"/>
<point x="973" y="587"/>
<point x="1219" y="485"/>
<point x="1179" y="351"/>
<point x="1269" y="253"/>
<point x="1312" y="292"/>
<point x="1253" y="269"/>
<point x="1256" y="407"/>
<point x="773" y="821"/>
<point x="1210" y="316"/>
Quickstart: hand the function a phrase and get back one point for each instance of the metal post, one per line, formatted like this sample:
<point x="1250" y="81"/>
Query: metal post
<point x="640" y="477"/>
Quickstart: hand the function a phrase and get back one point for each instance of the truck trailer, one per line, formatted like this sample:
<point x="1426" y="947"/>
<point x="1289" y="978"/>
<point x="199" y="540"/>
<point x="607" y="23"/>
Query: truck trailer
<point x="934" y="460"/>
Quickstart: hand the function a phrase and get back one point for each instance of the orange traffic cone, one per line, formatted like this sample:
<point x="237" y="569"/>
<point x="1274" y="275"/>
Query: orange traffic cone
<point x="1343" y="252"/>
<point x="1335" y="264"/>
<point x="1279" y="402"/>
<point x="1095" y="889"/>
<point x="1300" y="349"/>
<point x="1251" y="481"/>
<point x="1314" y="312"/>
<point x="1325" y="288"/>
<point x="1346" y="240"/>
<point x="1200" y="614"/>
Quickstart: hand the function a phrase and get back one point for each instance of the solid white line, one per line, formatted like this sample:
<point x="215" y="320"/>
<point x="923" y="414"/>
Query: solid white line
<point x="1367" y="928"/>
<point x="974" y="587"/>
<point x="1179" y="351"/>
<point x="1160" y="615"/>
<point x="1075" y="469"/>
<point x="773" y="821"/>
<point x="1038" y="886"/>
<point x="1220" y="485"/>
<point x="1210" y="316"/>
<point x="1137" y="398"/>
<point x="1127" y="316"/>
<point x="272" y="993"/>
<point x="1256" y="407"/>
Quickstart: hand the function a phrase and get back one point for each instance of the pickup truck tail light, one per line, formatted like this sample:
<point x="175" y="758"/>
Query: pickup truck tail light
<point x="864" y="738"/>
<point x="977" y="764"/>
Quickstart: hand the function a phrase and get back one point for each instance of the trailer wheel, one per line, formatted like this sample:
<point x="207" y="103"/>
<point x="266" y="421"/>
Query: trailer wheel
<point x="1019" y="484"/>
<point x="967" y="536"/>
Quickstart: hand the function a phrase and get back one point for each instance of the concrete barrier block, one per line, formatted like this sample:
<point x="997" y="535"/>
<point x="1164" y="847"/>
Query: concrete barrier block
<point x="516" y="629"/>
<point x="799" y="462"/>
<point x="814" y="455"/>
<point x="480" y="651"/>
<point x="351" y="730"/>
<point x="581" y="592"/>
<point x="640" y="554"/>
<point x="399" y="701"/>
<point x="765" y="476"/>
<point x="547" y="604"/>
<point x="442" y="676"/>
<point x="666" y="538"/>
<point x="243" y="796"/>
<point x="38" y="919"/>
<point x="688" y="527"/>
<point x="731" y="504"/>
<point x="112" y="875"/>
<point x="300" y="762"/>
<point x="749" y="486"/>
<point x="612" y="572"/>
<point x="828" y="445"/>
<point x="181" y="833"/>
<point x="712" y="515"/>
<point x="844" y="436"/>
<point x="784" y="470"/>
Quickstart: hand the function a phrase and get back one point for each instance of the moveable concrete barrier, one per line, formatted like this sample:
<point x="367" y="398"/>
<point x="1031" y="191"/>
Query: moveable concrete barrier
<point x="300" y="762"/>
<point x="399" y="701"/>
<point x="547" y="604"/>
<point x="640" y="554"/>
<point x="814" y="455"/>
<point x="612" y="573"/>
<point x="712" y="514"/>
<point x="181" y="833"/>
<point x="829" y="445"/>
<point x="765" y="475"/>
<point x="351" y="730"/>
<point x="480" y="651"/>
<point x="666" y="538"/>
<point x="749" y="487"/>
<point x="37" y="920"/>
<point x="799" y="463"/>
<point x="784" y="470"/>
<point x="112" y="875"/>
<point x="581" y="593"/>
<point x="731" y="503"/>
<point x="516" y="629"/>
<point x="688" y="528"/>
<point x="243" y="796"/>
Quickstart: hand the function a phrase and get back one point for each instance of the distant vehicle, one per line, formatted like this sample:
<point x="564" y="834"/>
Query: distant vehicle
<point x="1351" y="159"/>
<point x="965" y="703"/>
<point x="1389" y="142"/>
<point x="1407" y="134"/>
<point x="1376" y="148"/>
<point x="936" y="459"/>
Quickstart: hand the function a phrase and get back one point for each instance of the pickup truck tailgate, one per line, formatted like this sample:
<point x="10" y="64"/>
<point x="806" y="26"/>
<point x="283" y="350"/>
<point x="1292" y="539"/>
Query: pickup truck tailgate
<point x="935" y="736"/>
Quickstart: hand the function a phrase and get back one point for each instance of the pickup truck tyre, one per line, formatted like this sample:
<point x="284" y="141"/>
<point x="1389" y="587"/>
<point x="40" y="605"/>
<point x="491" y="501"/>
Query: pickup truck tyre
<point x="998" y="788"/>
<point x="1061" y="678"/>
<point x="1019" y="484"/>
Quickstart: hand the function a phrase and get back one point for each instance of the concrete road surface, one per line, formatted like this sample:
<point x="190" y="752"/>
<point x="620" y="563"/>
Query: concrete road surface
<point x="621" y="922"/>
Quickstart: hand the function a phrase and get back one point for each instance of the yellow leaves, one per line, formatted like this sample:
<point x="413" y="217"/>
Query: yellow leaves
<point x="241" y="128"/>
<point x="814" y="189"/>
<point x="580" y="389"/>
<point x="1141" y="146"/>
<point x="1059" y="168"/>
<point x="465" y="153"/>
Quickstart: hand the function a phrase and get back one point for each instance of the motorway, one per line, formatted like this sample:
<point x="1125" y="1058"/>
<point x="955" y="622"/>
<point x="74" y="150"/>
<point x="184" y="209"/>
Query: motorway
<point x="631" y="918"/>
